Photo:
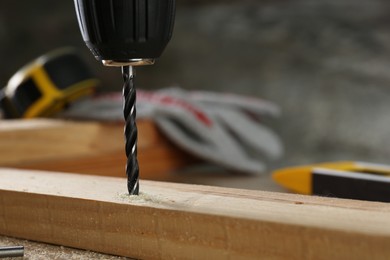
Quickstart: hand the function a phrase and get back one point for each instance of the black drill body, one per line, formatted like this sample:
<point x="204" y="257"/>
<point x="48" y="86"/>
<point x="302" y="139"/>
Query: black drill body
<point x="121" y="30"/>
<point x="127" y="33"/>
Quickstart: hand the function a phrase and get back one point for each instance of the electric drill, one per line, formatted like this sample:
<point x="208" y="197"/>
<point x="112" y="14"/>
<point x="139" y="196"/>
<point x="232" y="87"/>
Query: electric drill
<point x="127" y="33"/>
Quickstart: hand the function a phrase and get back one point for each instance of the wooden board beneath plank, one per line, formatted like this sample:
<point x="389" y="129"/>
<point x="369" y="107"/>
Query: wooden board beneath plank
<point x="186" y="221"/>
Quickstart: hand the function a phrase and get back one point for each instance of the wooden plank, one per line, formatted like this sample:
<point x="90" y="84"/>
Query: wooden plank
<point x="28" y="140"/>
<point x="156" y="163"/>
<point x="186" y="221"/>
<point x="86" y="147"/>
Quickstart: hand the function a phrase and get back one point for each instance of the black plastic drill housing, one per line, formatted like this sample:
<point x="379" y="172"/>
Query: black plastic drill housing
<point x="122" y="30"/>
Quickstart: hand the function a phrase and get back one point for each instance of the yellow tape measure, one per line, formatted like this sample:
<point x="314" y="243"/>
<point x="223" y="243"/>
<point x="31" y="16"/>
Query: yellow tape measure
<point x="47" y="85"/>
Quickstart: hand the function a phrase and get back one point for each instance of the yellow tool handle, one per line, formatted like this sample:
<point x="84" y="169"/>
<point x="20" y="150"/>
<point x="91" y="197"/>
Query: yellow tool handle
<point x="47" y="85"/>
<point x="299" y="178"/>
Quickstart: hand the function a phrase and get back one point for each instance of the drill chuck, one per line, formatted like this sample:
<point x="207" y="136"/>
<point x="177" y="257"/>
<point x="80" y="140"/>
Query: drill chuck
<point x="126" y="32"/>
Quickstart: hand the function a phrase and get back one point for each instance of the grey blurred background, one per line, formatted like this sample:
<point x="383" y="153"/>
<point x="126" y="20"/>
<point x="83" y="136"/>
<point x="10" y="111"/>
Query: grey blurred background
<point x="325" y="62"/>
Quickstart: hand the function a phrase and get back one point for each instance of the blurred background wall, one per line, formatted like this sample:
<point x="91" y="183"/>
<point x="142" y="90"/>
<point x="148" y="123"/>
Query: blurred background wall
<point x="325" y="62"/>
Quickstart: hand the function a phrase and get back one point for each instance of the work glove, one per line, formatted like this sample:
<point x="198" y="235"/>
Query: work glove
<point x="224" y="129"/>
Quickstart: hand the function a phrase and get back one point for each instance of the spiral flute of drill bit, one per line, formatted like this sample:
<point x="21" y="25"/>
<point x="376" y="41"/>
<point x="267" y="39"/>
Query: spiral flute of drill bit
<point x="129" y="112"/>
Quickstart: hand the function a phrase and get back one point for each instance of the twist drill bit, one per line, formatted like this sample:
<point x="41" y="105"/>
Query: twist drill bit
<point x="129" y="112"/>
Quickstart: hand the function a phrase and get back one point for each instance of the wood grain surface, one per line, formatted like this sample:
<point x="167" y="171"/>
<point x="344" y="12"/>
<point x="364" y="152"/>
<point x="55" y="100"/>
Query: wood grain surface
<point x="87" y="147"/>
<point x="181" y="221"/>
